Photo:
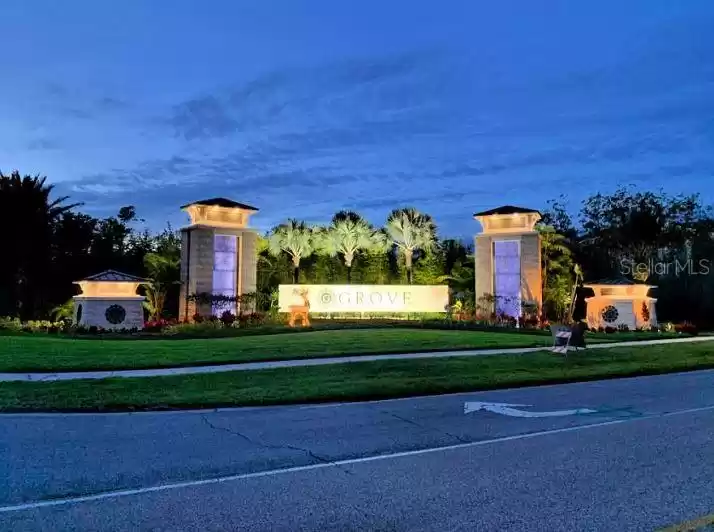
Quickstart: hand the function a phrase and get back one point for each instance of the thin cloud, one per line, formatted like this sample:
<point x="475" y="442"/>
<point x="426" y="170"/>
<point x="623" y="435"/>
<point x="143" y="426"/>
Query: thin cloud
<point x="415" y="129"/>
<point x="43" y="144"/>
<point x="81" y="104"/>
<point x="322" y="97"/>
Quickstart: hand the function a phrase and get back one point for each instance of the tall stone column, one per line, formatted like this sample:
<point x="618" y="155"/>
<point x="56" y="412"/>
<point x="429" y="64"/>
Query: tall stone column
<point x="508" y="260"/>
<point x="218" y="255"/>
<point x="249" y="259"/>
<point x="484" y="272"/>
<point x="196" y="269"/>
<point x="531" y="268"/>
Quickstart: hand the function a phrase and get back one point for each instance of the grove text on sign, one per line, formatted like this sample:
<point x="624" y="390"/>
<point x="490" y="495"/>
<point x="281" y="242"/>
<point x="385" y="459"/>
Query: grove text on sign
<point x="365" y="297"/>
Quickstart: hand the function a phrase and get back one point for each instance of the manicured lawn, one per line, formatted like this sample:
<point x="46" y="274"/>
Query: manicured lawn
<point x="356" y="381"/>
<point x="47" y="353"/>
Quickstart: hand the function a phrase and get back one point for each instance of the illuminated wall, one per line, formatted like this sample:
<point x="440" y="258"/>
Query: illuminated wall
<point x="507" y="277"/>
<point x="225" y="271"/>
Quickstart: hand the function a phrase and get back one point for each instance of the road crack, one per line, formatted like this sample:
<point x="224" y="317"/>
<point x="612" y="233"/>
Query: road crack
<point x="265" y="445"/>
<point x="425" y="427"/>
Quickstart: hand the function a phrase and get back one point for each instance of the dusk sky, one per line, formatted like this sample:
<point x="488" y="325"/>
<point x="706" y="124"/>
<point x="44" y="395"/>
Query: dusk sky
<point x="304" y="108"/>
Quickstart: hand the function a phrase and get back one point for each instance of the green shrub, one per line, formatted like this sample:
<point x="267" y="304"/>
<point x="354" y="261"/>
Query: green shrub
<point x="273" y="305"/>
<point x="93" y="330"/>
<point x="667" y="326"/>
<point x="198" y="328"/>
<point x="64" y="312"/>
<point x="10" y="324"/>
<point x="228" y="318"/>
<point x="686" y="328"/>
<point x="44" y="326"/>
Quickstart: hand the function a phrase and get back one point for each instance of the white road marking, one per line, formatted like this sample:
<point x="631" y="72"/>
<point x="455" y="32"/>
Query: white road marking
<point x="508" y="409"/>
<point x="274" y="472"/>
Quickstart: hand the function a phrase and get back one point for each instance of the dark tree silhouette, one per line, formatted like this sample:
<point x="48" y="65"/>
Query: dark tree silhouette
<point x="27" y="218"/>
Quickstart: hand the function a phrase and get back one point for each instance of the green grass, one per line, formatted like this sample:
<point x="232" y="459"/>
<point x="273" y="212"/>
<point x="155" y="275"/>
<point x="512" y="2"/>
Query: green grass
<point x="40" y="353"/>
<point x="356" y="381"/>
<point x="47" y="353"/>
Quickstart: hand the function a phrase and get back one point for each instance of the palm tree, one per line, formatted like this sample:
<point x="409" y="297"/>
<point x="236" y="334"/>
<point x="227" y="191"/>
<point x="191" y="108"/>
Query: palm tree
<point x="578" y="274"/>
<point x="410" y="231"/>
<point x="294" y="238"/>
<point x="28" y="217"/>
<point x="347" y="234"/>
<point x="561" y="276"/>
<point x="65" y="311"/>
<point x="461" y="278"/>
<point x="29" y="190"/>
<point x="554" y="252"/>
<point x="268" y="269"/>
<point x="154" y="302"/>
<point x="163" y="268"/>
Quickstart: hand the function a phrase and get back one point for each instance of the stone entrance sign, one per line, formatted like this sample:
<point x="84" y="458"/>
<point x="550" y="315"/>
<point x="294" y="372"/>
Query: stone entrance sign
<point x="398" y="298"/>
<point x="218" y="256"/>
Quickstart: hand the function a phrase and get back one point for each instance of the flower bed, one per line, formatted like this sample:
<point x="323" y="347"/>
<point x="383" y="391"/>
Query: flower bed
<point x="229" y="325"/>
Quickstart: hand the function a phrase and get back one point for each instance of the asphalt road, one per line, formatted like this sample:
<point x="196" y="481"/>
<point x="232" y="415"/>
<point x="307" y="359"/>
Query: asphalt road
<point x="644" y="460"/>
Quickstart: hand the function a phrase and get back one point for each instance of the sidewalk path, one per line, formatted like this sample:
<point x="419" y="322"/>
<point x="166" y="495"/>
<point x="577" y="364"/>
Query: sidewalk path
<point x="250" y="366"/>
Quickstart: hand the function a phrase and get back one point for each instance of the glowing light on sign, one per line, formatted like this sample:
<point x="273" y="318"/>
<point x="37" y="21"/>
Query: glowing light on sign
<point x="366" y="298"/>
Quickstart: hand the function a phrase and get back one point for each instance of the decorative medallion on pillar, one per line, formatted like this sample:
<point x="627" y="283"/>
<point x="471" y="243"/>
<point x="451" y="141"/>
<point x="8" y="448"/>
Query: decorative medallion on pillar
<point x="508" y="261"/>
<point x="218" y="257"/>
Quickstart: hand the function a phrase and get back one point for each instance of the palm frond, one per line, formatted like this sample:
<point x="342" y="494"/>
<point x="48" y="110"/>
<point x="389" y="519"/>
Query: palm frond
<point x="411" y="230"/>
<point x="294" y="238"/>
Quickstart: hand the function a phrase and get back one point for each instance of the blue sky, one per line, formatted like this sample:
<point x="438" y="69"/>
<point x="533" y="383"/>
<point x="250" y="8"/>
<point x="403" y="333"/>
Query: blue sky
<point x="303" y="108"/>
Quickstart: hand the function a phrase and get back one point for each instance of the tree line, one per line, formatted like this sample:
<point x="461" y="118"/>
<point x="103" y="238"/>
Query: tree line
<point x="663" y="239"/>
<point x="407" y="249"/>
<point x="48" y="244"/>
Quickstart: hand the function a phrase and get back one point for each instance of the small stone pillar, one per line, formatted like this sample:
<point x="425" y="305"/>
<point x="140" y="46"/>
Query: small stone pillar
<point x="620" y="302"/>
<point x="508" y="260"/>
<point x="109" y="300"/>
<point x="218" y="256"/>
